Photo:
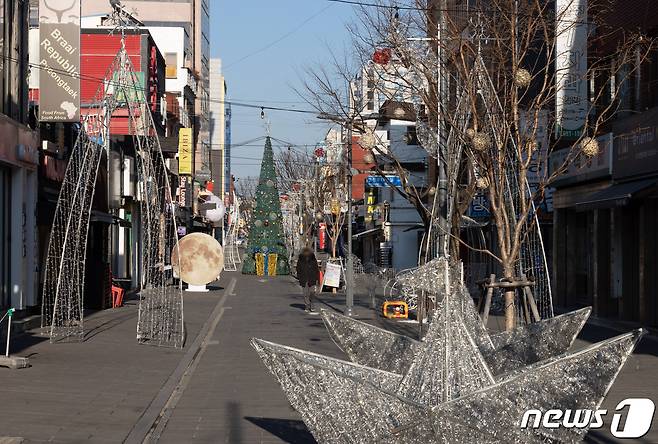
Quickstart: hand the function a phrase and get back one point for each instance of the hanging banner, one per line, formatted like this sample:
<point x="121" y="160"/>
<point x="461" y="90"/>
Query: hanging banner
<point x="59" y="59"/>
<point x="571" y="67"/>
<point x="185" y="151"/>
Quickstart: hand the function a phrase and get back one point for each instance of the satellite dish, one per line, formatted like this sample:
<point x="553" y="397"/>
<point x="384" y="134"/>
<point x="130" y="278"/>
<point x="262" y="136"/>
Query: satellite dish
<point x="216" y="214"/>
<point x="201" y="260"/>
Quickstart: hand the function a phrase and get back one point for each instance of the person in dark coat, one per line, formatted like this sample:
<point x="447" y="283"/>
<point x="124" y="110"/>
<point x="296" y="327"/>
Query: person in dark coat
<point x="308" y="274"/>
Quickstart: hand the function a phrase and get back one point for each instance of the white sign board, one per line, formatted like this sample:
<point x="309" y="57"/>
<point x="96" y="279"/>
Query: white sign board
<point x="332" y="275"/>
<point x="571" y="67"/>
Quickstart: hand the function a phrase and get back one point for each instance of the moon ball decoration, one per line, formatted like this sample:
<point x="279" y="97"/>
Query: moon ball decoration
<point x="216" y="214"/>
<point x="198" y="260"/>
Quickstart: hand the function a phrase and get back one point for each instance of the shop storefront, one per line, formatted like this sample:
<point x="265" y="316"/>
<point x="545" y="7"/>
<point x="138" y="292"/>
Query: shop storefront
<point x="19" y="159"/>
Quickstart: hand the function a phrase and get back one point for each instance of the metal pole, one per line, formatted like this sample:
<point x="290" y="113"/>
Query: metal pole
<point x="10" y="313"/>
<point x="349" y="275"/>
<point x="442" y="151"/>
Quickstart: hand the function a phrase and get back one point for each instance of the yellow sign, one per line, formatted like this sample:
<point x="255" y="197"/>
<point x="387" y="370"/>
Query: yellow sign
<point x="185" y="151"/>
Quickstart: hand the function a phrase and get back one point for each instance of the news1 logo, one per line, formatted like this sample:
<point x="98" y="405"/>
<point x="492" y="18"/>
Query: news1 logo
<point x="639" y="417"/>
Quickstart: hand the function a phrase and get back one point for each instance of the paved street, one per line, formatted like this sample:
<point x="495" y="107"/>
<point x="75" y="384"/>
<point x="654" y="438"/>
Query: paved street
<point x="108" y="388"/>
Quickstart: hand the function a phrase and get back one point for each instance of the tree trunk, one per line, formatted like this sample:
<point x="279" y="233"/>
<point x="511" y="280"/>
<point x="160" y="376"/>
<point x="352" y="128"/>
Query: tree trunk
<point x="509" y="299"/>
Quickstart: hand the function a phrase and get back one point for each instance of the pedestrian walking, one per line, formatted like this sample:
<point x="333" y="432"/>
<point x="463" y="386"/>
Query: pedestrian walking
<point x="308" y="274"/>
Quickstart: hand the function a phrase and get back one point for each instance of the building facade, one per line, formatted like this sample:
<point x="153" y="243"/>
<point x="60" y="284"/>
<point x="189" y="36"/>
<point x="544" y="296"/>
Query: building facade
<point x="19" y="161"/>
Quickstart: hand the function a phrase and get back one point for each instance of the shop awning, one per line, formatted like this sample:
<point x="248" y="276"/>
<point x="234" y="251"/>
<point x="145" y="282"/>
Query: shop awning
<point x="110" y="219"/>
<point x="370" y="232"/>
<point x="616" y="195"/>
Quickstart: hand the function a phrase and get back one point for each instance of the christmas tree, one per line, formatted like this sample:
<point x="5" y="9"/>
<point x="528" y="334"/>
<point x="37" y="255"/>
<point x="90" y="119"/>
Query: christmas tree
<point x="266" y="227"/>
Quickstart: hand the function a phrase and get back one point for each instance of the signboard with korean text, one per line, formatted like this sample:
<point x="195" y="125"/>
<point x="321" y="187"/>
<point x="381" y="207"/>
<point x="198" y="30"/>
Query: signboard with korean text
<point x="185" y="151"/>
<point x="380" y="182"/>
<point x="59" y="60"/>
<point x="571" y="68"/>
<point x="636" y="145"/>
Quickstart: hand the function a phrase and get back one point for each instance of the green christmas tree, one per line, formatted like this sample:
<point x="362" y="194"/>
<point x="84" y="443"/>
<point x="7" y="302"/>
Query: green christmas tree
<point x="266" y="227"/>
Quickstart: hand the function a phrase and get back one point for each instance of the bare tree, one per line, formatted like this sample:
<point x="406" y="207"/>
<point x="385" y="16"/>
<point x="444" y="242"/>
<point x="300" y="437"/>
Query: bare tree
<point x="493" y="78"/>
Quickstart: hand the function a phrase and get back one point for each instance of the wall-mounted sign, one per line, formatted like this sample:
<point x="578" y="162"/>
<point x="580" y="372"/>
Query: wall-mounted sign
<point x="59" y="46"/>
<point x="185" y="151"/>
<point x="185" y="192"/>
<point x="380" y="182"/>
<point x="571" y="67"/>
<point x="636" y="145"/>
<point x="479" y="208"/>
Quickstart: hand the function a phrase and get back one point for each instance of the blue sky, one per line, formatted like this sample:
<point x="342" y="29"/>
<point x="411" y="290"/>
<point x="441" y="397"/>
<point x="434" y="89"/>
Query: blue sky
<point x="302" y="33"/>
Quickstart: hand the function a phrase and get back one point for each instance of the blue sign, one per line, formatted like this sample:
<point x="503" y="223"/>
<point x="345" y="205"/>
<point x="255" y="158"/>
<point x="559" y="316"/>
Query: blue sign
<point x="380" y="182"/>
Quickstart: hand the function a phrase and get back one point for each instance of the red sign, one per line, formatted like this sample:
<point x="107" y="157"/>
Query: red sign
<point x="322" y="235"/>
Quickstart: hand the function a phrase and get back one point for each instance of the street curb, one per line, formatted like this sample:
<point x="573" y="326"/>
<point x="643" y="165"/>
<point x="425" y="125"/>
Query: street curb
<point x="602" y="323"/>
<point x="150" y="416"/>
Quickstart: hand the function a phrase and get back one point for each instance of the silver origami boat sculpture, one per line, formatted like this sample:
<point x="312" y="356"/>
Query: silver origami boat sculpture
<point x="504" y="352"/>
<point x="344" y="402"/>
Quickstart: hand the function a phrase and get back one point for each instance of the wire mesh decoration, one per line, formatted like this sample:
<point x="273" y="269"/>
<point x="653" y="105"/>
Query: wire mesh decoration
<point x="160" y="318"/>
<point x="446" y="393"/>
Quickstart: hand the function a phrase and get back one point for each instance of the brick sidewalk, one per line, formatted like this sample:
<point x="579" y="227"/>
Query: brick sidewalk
<point x="92" y="391"/>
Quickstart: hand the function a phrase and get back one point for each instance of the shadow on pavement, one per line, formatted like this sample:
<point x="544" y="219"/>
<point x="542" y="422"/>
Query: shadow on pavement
<point x="290" y="431"/>
<point x="21" y="342"/>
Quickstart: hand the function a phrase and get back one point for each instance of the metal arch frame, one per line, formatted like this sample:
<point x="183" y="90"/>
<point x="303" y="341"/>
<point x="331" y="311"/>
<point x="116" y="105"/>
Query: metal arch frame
<point x="160" y="322"/>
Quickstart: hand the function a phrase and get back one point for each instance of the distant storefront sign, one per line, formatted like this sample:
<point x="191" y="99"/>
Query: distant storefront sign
<point x="185" y="151"/>
<point x="571" y="67"/>
<point x="636" y="145"/>
<point x="380" y="182"/>
<point x="584" y="168"/>
<point x="479" y="208"/>
<point x="59" y="45"/>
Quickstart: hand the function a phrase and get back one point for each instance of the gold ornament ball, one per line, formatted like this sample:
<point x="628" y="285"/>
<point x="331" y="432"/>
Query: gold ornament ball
<point x="589" y="146"/>
<point x="481" y="142"/>
<point x="522" y="78"/>
<point x="470" y="133"/>
<point x="482" y="183"/>
<point x="368" y="140"/>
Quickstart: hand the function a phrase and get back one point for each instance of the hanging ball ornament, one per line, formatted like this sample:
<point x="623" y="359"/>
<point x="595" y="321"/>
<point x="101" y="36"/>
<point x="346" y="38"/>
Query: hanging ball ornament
<point x="368" y="157"/>
<point x="367" y="140"/>
<point x="482" y="183"/>
<point x="589" y="146"/>
<point x="522" y="78"/>
<point x="470" y="133"/>
<point x="266" y="223"/>
<point x="269" y="183"/>
<point x="272" y="216"/>
<point x="319" y="215"/>
<point x="481" y="142"/>
<point x="431" y="191"/>
<point x="258" y="223"/>
<point x="264" y="249"/>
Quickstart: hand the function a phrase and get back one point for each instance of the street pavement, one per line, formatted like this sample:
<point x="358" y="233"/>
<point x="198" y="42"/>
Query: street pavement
<point x="110" y="389"/>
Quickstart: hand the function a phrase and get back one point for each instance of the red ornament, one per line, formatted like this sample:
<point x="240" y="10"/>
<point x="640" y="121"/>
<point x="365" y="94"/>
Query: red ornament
<point x="382" y="56"/>
<point x="319" y="152"/>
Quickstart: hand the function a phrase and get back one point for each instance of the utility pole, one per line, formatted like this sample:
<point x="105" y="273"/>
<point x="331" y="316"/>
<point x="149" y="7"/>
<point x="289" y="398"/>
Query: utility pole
<point x="349" y="274"/>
